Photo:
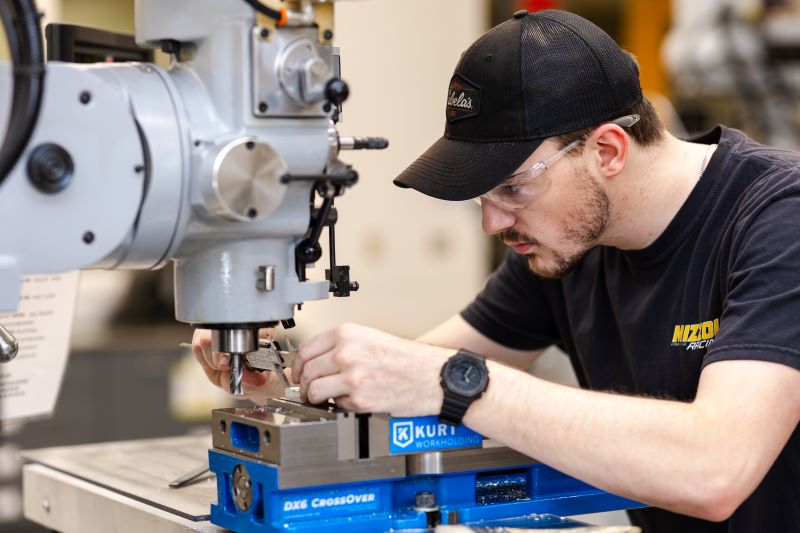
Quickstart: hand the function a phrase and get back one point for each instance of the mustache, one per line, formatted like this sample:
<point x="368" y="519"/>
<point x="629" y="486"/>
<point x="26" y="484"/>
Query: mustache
<point x="512" y="236"/>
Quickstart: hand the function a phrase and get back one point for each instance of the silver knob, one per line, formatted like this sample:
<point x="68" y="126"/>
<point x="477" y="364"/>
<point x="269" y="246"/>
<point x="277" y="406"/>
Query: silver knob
<point x="8" y="345"/>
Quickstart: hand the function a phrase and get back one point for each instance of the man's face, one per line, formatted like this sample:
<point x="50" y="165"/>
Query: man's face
<point x="559" y="224"/>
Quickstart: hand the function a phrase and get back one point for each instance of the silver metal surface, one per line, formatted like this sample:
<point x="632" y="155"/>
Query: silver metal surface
<point x="266" y="278"/>
<point x="237" y="373"/>
<point x="302" y="73"/>
<point x="138" y="470"/>
<point x="425" y="502"/>
<point x="288" y="433"/>
<point x="8" y="345"/>
<point x="268" y="357"/>
<point x="290" y="72"/>
<point x="149" y="196"/>
<point x="300" y="440"/>
<point x="489" y="457"/>
<point x="425" y="463"/>
<point x="242" y="488"/>
<point x="234" y="340"/>
<point x="107" y="193"/>
<point x="162" y="128"/>
<point x="63" y="488"/>
<point x="246" y="179"/>
<point x="68" y="504"/>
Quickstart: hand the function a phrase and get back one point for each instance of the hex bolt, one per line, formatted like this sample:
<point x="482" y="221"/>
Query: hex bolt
<point x="328" y="35"/>
<point x="425" y="501"/>
<point x="85" y="97"/>
<point x="88" y="237"/>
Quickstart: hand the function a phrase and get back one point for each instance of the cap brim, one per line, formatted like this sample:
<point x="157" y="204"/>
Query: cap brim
<point x="460" y="170"/>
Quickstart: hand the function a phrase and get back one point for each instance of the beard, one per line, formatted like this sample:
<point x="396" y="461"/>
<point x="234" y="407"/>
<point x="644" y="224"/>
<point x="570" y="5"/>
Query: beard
<point x="581" y="230"/>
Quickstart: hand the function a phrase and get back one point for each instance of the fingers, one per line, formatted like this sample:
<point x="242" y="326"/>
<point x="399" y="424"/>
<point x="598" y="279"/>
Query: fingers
<point x="201" y="345"/>
<point x="316" y="368"/>
<point x="315" y="347"/>
<point x="323" y="388"/>
<point x="254" y="378"/>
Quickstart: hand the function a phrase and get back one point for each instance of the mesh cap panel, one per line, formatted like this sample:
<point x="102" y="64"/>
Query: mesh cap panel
<point x="573" y="75"/>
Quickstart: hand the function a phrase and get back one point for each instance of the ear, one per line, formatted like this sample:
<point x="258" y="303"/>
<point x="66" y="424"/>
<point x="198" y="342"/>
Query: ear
<point x="608" y="146"/>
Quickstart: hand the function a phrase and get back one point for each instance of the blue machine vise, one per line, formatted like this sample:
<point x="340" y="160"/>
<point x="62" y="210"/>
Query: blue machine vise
<point x="290" y="467"/>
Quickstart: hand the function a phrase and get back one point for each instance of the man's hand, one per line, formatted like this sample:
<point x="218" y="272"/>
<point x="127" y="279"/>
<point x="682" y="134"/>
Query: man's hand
<point x="366" y="370"/>
<point x="257" y="386"/>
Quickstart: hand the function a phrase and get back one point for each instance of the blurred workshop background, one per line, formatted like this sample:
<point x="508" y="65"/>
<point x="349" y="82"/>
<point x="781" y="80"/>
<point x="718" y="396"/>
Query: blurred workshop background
<point x="418" y="260"/>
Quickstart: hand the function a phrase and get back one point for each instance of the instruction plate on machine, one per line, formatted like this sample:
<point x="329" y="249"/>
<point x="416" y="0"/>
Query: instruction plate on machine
<point x="29" y="384"/>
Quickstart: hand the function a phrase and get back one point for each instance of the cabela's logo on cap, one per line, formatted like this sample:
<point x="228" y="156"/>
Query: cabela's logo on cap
<point x="463" y="99"/>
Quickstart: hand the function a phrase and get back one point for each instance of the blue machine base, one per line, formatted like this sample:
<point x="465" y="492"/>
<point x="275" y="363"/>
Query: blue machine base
<point x="478" y="497"/>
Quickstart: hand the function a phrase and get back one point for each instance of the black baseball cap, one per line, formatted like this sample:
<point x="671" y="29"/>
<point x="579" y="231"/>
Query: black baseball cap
<point x="535" y="76"/>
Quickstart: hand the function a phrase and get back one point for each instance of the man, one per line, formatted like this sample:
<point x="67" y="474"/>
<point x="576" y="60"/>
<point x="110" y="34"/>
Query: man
<point x="668" y="270"/>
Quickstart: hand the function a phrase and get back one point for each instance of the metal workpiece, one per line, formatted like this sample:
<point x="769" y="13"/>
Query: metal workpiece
<point x="9" y="346"/>
<point x="280" y="432"/>
<point x="300" y="440"/>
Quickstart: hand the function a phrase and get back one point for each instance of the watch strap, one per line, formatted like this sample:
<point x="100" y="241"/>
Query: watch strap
<point x="454" y="407"/>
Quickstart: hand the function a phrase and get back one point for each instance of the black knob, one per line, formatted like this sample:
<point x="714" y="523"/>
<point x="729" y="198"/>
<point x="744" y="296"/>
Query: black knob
<point x="50" y="168"/>
<point x="308" y="252"/>
<point x="337" y="91"/>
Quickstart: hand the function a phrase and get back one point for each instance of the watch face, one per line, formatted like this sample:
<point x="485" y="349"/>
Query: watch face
<point x="466" y="376"/>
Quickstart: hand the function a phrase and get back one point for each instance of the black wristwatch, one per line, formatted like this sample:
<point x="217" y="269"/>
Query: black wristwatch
<point x="464" y="379"/>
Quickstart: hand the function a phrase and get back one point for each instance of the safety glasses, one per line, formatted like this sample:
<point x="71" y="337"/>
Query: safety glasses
<point x="523" y="186"/>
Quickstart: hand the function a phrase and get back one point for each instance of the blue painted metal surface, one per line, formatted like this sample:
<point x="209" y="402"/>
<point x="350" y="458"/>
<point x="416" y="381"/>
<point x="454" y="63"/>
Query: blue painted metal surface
<point x="387" y="504"/>
<point x="428" y="433"/>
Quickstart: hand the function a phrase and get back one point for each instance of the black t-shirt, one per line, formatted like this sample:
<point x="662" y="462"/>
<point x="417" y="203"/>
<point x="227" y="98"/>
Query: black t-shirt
<point x="722" y="282"/>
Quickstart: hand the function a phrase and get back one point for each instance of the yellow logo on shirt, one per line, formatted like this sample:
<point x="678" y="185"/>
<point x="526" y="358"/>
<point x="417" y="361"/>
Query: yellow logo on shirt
<point x="695" y="336"/>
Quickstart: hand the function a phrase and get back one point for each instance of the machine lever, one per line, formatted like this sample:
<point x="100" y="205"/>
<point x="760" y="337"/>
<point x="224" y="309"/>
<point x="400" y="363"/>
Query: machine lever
<point x="189" y="477"/>
<point x="363" y="143"/>
<point x="347" y="178"/>
<point x="338" y="276"/>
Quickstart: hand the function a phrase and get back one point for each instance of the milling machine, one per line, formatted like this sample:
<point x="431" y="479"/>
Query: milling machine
<point x="227" y="163"/>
